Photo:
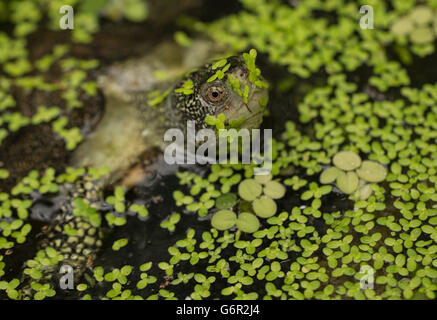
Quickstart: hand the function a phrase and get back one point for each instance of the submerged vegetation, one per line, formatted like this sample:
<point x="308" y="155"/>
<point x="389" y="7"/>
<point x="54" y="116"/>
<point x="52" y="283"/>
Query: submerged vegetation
<point x="354" y="178"/>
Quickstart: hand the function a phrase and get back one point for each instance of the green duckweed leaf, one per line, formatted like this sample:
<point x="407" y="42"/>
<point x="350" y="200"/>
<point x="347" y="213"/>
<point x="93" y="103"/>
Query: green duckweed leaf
<point x="249" y="189"/>
<point x="248" y="222"/>
<point x="264" y="207"/>
<point x="224" y="219"/>
<point x="347" y="160"/>
<point x="347" y="182"/>
<point x="329" y="175"/>
<point x="372" y="171"/>
<point x="226" y="201"/>
<point x="274" y="189"/>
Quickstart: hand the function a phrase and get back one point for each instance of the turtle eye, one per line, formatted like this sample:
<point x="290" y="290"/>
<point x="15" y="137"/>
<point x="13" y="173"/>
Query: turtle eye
<point x="215" y="94"/>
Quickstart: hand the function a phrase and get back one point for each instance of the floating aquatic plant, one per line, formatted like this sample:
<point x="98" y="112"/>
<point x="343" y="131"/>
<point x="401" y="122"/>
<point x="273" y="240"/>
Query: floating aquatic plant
<point x="347" y="180"/>
<point x="247" y="222"/>
<point x="249" y="189"/>
<point x="171" y="222"/>
<point x="224" y="219"/>
<point x="118" y="244"/>
<point x="301" y="250"/>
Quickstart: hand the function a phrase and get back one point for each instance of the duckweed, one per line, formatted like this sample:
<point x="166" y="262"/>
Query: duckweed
<point x="248" y="222"/>
<point x="226" y="201"/>
<point x="350" y="182"/>
<point x="303" y="248"/>
<point x="264" y="207"/>
<point x="330" y="175"/>
<point x="347" y="182"/>
<point x="274" y="190"/>
<point x="347" y="160"/>
<point x="118" y="244"/>
<point x="224" y="219"/>
<point x="372" y="172"/>
<point x="249" y="189"/>
<point x="171" y="222"/>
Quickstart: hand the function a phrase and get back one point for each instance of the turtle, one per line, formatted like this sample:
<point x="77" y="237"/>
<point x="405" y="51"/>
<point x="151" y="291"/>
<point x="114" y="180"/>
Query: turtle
<point x="133" y="125"/>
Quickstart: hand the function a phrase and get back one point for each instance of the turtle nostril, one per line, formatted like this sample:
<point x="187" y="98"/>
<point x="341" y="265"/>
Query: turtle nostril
<point x="243" y="72"/>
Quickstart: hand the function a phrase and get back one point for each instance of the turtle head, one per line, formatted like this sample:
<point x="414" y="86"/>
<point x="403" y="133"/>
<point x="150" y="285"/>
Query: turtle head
<point x="232" y="86"/>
